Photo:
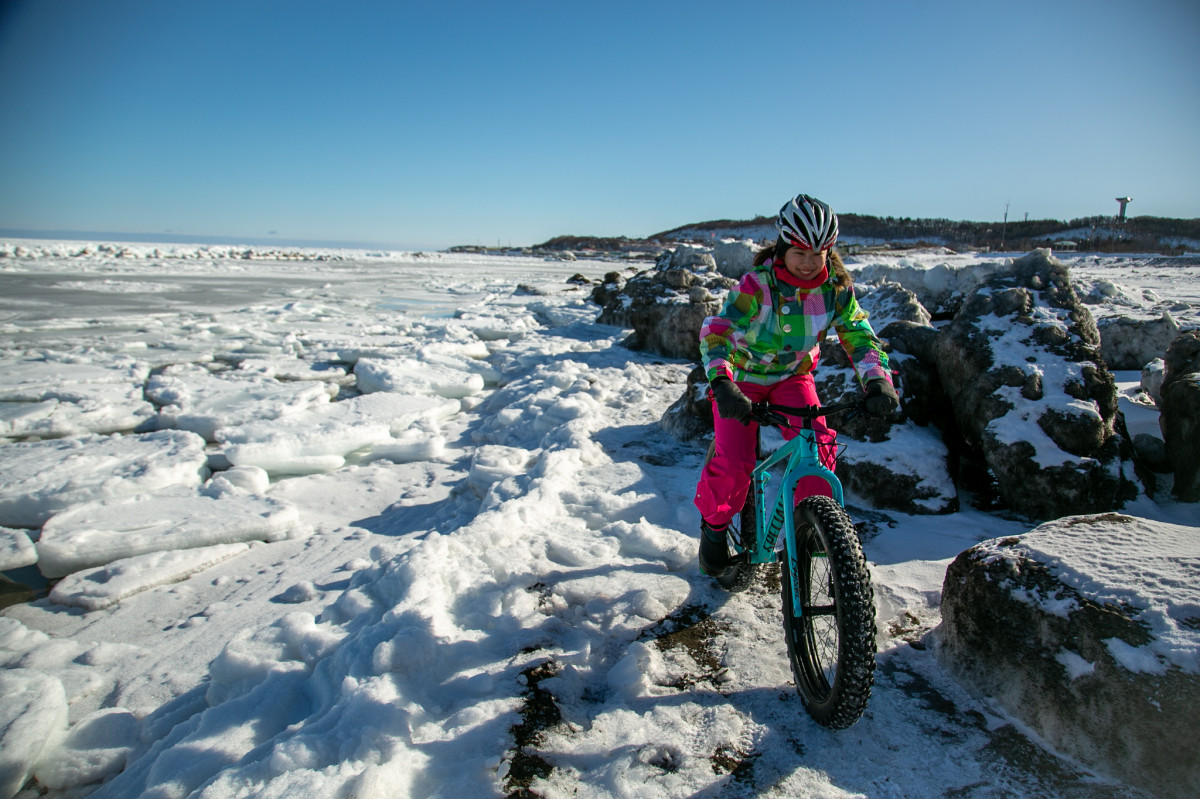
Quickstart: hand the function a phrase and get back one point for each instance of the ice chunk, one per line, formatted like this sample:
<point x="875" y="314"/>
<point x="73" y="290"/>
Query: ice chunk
<point x="102" y="532"/>
<point x="406" y="374"/>
<point x="16" y="549"/>
<point x="492" y="463"/>
<point x="100" y="408"/>
<point x="285" y="368"/>
<point x="94" y="589"/>
<point x="41" y="478"/>
<point x="409" y="446"/>
<point x="319" y="441"/>
<point x="33" y="716"/>
<point x="93" y="749"/>
<point x="53" y="398"/>
<point x="238" y="480"/>
<point x="34" y="379"/>
<point x="196" y="400"/>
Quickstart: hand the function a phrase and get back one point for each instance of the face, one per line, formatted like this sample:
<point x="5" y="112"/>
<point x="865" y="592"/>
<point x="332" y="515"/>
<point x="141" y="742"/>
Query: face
<point x="804" y="264"/>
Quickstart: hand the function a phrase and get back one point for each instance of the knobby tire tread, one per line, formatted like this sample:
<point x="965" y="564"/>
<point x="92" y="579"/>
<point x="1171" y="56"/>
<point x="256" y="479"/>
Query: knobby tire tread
<point x="850" y="690"/>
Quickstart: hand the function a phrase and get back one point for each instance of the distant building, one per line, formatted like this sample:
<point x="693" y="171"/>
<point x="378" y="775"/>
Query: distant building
<point x="1066" y="246"/>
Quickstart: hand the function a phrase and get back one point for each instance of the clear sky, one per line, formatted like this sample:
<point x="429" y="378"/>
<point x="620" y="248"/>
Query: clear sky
<point x="436" y="122"/>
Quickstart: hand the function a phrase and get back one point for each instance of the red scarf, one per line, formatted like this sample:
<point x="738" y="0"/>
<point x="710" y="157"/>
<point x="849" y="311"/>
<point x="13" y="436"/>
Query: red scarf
<point x="785" y="276"/>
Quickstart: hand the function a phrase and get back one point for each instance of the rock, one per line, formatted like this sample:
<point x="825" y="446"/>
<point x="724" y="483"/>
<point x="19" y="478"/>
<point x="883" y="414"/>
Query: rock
<point x="611" y="286"/>
<point x="1131" y="343"/>
<point x="1152" y="379"/>
<point x="889" y="463"/>
<point x="1020" y="364"/>
<point x="734" y="258"/>
<point x="940" y="289"/>
<point x="905" y="472"/>
<point x="1180" y="414"/>
<point x="891" y="302"/>
<point x="665" y="307"/>
<point x="689" y="257"/>
<point x="1153" y="452"/>
<point x="913" y="349"/>
<point x="1100" y="664"/>
<point x="690" y="416"/>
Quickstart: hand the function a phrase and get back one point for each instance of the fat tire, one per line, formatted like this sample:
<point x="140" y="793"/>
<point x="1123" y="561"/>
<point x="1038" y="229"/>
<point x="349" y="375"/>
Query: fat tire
<point x="834" y="679"/>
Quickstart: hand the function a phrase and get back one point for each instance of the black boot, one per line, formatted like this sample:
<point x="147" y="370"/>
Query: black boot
<point x="714" y="551"/>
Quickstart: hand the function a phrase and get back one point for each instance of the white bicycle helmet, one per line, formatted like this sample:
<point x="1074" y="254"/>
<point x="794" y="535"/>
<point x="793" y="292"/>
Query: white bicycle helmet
<point x="807" y="223"/>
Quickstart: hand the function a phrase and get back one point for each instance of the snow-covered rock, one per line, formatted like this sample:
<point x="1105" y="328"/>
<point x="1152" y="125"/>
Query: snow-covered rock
<point x="1127" y="343"/>
<point x="734" y="257"/>
<point x="891" y="302"/>
<point x="1152" y="379"/>
<point x="1080" y="630"/>
<point x="666" y="308"/>
<point x="1030" y="394"/>
<point x="687" y="256"/>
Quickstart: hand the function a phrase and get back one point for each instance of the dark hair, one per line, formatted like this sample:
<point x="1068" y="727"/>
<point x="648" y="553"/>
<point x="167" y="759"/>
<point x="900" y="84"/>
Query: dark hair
<point x="838" y="269"/>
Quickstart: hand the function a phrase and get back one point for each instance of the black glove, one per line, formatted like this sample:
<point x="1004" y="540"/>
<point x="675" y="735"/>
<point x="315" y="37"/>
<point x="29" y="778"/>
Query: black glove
<point x="881" y="397"/>
<point x="731" y="402"/>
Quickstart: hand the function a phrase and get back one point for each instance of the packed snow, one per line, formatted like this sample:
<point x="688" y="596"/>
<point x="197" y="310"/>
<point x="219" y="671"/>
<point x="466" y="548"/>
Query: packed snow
<point x="400" y="524"/>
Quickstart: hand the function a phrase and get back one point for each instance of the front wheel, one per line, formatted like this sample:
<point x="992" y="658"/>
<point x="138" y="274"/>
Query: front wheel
<point x="831" y="628"/>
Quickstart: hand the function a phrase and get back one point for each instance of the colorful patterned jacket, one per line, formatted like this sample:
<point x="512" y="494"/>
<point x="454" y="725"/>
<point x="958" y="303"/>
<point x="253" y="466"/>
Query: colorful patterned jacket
<point x="768" y="330"/>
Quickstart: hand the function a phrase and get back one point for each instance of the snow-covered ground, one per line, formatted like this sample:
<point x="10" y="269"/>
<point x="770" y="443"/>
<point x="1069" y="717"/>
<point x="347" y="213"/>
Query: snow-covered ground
<point x="405" y="525"/>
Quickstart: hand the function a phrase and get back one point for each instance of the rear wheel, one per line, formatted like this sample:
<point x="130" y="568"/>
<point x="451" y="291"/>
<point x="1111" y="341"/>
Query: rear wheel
<point x="831" y="635"/>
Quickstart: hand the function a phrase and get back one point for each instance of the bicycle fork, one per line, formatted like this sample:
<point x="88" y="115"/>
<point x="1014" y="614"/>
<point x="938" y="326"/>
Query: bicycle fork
<point x="782" y="517"/>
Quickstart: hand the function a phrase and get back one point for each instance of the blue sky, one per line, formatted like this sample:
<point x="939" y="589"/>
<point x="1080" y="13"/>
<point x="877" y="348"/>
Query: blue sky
<point x="426" y="124"/>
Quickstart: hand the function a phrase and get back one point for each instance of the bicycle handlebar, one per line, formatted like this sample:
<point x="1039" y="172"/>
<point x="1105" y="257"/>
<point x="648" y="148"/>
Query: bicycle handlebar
<point x="766" y="413"/>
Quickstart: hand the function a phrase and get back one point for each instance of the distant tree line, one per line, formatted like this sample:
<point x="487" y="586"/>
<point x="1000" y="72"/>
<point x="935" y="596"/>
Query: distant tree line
<point x="1094" y="233"/>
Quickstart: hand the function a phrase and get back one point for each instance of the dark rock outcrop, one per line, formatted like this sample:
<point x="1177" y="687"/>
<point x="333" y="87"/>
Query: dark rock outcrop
<point x="1047" y="641"/>
<point x="1180" y="419"/>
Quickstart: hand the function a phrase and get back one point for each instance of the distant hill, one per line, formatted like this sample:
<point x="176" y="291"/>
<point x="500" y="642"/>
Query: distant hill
<point x="1095" y="234"/>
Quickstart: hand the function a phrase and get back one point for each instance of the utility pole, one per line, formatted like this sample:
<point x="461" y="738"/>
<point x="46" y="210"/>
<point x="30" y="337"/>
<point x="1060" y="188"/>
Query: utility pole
<point x="1003" y="228"/>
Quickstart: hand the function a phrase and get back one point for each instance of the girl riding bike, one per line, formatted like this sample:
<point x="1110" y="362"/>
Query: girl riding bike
<point x="764" y="345"/>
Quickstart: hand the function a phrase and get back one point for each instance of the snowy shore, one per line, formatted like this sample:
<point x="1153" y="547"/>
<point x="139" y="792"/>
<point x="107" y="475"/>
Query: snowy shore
<point x="379" y="506"/>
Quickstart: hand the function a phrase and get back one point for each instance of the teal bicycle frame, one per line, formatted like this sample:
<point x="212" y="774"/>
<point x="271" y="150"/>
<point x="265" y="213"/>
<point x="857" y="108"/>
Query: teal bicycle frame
<point x="802" y="459"/>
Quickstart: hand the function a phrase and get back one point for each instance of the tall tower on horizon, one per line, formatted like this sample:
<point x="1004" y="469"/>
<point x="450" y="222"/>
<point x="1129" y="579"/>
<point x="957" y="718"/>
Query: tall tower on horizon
<point x="1124" y="201"/>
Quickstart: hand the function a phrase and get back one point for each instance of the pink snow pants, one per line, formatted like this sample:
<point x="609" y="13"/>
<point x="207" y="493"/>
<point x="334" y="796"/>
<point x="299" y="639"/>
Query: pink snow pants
<point x="725" y="480"/>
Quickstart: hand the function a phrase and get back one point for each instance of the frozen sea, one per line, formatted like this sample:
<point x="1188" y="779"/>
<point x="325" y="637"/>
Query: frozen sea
<point x="340" y="523"/>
